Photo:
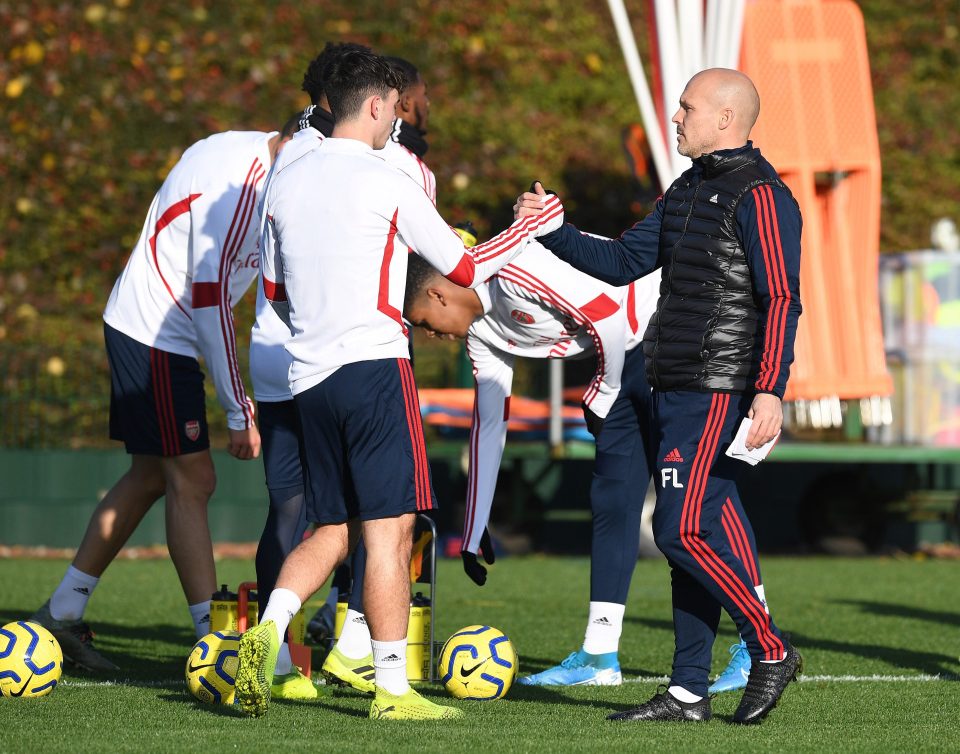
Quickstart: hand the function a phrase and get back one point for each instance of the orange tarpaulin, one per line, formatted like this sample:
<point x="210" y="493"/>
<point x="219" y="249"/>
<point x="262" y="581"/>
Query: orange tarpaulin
<point x="451" y="410"/>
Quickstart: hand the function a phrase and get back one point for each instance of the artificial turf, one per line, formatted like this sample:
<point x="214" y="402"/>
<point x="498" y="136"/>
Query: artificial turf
<point x="880" y="638"/>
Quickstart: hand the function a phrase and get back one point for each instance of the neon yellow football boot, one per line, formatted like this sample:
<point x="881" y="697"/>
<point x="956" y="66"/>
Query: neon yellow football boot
<point x="345" y="671"/>
<point x="295" y="685"/>
<point x="257" y="658"/>
<point x="409" y="706"/>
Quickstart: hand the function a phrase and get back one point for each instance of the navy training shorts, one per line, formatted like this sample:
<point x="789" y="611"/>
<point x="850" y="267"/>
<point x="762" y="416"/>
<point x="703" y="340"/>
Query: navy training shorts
<point x="363" y="450"/>
<point x="280" y="443"/>
<point x="157" y="403"/>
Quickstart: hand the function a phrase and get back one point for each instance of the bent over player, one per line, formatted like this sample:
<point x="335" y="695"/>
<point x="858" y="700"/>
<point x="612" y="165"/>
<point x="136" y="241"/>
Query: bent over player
<point x="719" y="349"/>
<point x="196" y="256"/>
<point x="334" y="219"/>
<point x="539" y="307"/>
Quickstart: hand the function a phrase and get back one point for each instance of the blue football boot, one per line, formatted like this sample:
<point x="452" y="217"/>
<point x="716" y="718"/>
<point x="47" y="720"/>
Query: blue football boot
<point x="579" y="669"/>
<point x="737" y="672"/>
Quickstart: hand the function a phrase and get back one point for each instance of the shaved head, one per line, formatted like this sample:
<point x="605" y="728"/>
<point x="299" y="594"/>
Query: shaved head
<point x="735" y="90"/>
<point x="718" y="109"/>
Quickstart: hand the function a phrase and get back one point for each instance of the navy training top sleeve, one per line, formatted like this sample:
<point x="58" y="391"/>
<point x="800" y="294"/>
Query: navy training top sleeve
<point x="617" y="261"/>
<point x="770" y="224"/>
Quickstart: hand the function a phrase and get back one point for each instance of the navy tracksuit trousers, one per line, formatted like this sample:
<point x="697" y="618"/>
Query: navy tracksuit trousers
<point x="710" y="548"/>
<point x="626" y="456"/>
<point x="621" y="474"/>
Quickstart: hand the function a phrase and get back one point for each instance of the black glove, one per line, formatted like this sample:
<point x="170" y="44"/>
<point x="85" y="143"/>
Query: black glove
<point x="594" y="422"/>
<point x="533" y="188"/>
<point x="472" y="567"/>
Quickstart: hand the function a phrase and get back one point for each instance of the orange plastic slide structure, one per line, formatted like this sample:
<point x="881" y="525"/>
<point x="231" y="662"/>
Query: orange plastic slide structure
<point x="817" y="126"/>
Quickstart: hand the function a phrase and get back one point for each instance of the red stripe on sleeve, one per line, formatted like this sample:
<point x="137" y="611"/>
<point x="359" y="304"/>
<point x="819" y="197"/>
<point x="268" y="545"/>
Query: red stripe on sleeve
<point x="206" y="295"/>
<point x="777" y="286"/>
<point x="463" y="273"/>
<point x="274" y="291"/>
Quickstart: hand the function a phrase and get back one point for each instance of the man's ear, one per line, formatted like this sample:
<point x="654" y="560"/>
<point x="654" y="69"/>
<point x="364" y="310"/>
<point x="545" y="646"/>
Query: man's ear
<point x="376" y="106"/>
<point x="404" y="103"/>
<point x="726" y="118"/>
<point x="435" y="294"/>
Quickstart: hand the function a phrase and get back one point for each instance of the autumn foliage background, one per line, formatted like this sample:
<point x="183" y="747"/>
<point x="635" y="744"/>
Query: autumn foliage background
<point x="100" y="99"/>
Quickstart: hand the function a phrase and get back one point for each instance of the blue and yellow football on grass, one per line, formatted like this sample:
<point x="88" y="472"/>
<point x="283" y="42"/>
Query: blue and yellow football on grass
<point x="31" y="661"/>
<point x="478" y="662"/>
<point x="212" y="667"/>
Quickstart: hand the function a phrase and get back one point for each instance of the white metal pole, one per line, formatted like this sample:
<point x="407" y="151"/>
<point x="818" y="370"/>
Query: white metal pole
<point x="671" y="75"/>
<point x="556" y="403"/>
<point x="710" y="33"/>
<point x="735" y="33"/>
<point x="648" y="113"/>
<point x="690" y="24"/>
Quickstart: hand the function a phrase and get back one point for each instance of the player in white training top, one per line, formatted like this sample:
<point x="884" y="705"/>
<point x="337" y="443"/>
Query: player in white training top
<point x="336" y="218"/>
<point x="350" y="661"/>
<point x="196" y="255"/>
<point x="407" y="144"/>
<point x="539" y="307"/>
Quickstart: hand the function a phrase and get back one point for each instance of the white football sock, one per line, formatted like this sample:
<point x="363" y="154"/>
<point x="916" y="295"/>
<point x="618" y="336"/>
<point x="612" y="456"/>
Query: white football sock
<point x="284" y="661"/>
<point x="281" y="607"/>
<point x="604" y="626"/>
<point x="354" y="641"/>
<point x="390" y="663"/>
<point x="69" y="600"/>
<point x="200" y="614"/>
<point x="682" y="695"/>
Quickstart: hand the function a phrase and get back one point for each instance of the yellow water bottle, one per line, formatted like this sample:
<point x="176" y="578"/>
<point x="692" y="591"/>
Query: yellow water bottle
<point x="223" y="610"/>
<point x="418" y="639"/>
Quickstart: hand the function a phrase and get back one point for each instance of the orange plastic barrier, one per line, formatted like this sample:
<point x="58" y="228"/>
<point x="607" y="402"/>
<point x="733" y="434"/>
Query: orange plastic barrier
<point x="452" y="409"/>
<point x="817" y="126"/>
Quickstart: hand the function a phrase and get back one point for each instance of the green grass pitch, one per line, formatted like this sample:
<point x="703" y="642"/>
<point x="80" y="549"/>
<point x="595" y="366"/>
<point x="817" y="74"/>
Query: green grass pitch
<point x="880" y="638"/>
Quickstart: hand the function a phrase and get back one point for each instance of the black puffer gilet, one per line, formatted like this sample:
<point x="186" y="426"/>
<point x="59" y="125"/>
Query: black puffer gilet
<point x="705" y="335"/>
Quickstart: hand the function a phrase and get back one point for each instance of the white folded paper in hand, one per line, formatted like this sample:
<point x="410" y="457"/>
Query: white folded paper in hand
<point x="738" y="448"/>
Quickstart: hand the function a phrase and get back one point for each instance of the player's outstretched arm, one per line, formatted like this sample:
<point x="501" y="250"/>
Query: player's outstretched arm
<point x="425" y="232"/>
<point x="616" y="261"/>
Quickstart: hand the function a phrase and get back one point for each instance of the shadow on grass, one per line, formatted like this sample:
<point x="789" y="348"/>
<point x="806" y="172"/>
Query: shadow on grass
<point x="219" y="710"/>
<point x="891" y="610"/>
<point x="924" y="662"/>
<point x="145" y="653"/>
<point x="929" y="663"/>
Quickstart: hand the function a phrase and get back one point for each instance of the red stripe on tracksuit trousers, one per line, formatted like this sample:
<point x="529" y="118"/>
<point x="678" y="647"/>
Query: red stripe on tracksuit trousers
<point x="713" y="565"/>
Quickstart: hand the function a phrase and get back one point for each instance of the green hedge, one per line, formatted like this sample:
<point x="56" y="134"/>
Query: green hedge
<point x="100" y="98"/>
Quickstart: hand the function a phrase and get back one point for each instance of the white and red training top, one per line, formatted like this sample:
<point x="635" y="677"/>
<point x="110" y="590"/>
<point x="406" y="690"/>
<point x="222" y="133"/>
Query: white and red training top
<point x="542" y="308"/>
<point x="396" y="154"/>
<point x="335" y="220"/>
<point x="269" y="360"/>
<point x="196" y="256"/>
